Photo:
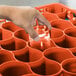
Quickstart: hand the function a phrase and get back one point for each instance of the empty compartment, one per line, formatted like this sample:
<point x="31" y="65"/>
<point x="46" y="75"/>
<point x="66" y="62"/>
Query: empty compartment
<point x="5" y="35"/>
<point x="61" y="24"/>
<point x="14" y="68"/>
<point x="69" y="67"/>
<point x="22" y="35"/>
<point x="42" y="44"/>
<point x="57" y="35"/>
<point x="46" y="67"/>
<point x="71" y="32"/>
<point x="68" y="44"/>
<point x="57" y="9"/>
<point x="29" y="55"/>
<point x="6" y="56"/>
<point x="14" y="44"/>
<point x="58" y="54"/>
<point x="50" y="16"/>
<point x="10" y="26"/>
<point x="71" y="38"/>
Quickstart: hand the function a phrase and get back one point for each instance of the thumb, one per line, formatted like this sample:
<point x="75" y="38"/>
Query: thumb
<point x="32" y="32"/>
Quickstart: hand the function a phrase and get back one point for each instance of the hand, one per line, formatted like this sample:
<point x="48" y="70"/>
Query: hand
<point x="24" y="16"/>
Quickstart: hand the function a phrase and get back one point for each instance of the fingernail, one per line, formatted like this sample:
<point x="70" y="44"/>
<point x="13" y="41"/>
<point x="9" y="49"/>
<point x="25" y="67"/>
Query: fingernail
<point x="37" y="38"/>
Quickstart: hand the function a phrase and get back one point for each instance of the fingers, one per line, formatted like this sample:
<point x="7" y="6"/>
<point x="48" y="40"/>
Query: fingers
<point x="33" y="22"/>
<point x="43" y="20"/>
<point x="32" y="32"/>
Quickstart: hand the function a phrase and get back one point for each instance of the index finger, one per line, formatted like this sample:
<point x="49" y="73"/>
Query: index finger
<point x="43" y="20"/>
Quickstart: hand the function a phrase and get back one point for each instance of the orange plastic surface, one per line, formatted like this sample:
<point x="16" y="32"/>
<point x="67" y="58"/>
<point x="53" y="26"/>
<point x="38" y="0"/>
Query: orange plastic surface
<point x="56" y="58"/>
